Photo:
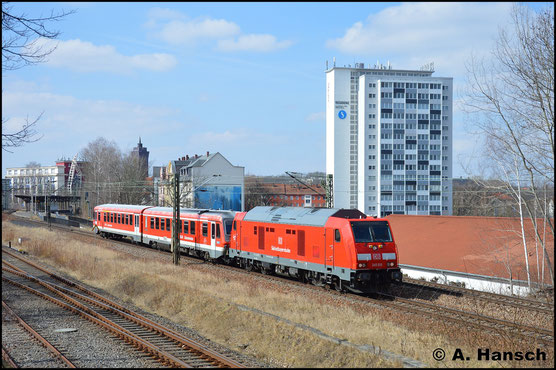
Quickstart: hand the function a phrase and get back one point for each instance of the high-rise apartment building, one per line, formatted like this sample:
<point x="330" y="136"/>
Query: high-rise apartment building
<point x="389" y="139"/>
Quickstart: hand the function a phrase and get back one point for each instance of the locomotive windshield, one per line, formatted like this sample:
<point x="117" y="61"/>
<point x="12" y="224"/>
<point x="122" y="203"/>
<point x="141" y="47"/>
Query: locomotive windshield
<point x="370" y="232"/>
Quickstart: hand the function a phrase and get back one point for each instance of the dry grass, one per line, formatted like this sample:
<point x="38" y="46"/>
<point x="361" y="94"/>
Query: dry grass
<point x="209" y="303"/>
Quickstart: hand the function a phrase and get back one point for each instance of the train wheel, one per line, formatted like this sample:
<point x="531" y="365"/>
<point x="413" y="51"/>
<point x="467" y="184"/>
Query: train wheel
<point x="338" y="285"/>
<point x="248" y="266"/>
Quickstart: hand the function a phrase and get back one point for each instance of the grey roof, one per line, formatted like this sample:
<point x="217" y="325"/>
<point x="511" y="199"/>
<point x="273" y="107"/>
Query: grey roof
<point x="128" y="206"/>
<point x="223" y="213"/>
<point x="291" y="215"/>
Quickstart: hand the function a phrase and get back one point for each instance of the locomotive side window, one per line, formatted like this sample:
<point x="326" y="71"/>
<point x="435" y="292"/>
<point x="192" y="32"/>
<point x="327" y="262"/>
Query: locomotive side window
<point x="192" y="228"/>
<point x="205" y="229"/>
<point x="337" y="236"/>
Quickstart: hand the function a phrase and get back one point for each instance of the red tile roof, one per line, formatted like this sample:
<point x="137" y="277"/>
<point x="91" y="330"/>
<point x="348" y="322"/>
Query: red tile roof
<point x="479" y="245"/>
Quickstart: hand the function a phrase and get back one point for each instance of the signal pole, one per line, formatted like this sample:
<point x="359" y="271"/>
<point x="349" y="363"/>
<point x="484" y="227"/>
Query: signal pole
<point x="176" y="220"/>
<point x="329" y="191"/>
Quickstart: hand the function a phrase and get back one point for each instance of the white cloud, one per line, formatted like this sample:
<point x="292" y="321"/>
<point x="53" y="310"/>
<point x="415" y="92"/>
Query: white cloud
<point x="317" y="116"/>
<point x="176" y="28"/>
<point x="442" y="32"/>
<point x="67" y="116"/>
<point x="253" y="42"/>
<point x="83" y="56"/>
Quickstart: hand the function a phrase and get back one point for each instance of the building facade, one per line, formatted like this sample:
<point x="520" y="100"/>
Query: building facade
<point x="206" y="181"/>
<point x="389" y="140"/>
<point x="28" y="183"/>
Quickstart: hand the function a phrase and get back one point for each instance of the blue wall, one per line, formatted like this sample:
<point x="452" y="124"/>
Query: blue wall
<point x="218" y="197"/>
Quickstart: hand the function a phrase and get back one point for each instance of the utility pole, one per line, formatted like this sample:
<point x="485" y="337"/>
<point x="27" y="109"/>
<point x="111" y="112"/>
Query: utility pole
<point x="176" y="220"/>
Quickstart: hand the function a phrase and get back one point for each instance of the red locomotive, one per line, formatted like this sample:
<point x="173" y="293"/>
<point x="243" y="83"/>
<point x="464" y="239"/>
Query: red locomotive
<point x="338" y="247"/>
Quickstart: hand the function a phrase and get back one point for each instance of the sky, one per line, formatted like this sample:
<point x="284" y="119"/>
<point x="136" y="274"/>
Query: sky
<point x="243" y="79"/>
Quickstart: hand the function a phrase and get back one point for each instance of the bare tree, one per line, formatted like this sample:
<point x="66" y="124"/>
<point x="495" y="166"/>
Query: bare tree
<point x="21" y="47"/>
<point x="256" y="194"/>
<point x="511" y="102"/>
<point x="32" y="164"/>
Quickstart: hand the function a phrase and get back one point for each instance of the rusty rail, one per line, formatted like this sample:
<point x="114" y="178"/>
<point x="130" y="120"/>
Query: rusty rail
<point x="191" y="346"/>
<point x="103" y="302"/>
<point x="6" y="357"/>
<point x="36" y="335"/>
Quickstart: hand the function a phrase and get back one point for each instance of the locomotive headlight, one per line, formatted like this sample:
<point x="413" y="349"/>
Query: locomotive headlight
<point x="390" y="264"/>
<point x="380" y="246"/>
<point x="361" y="265"/>
<point x="374" y="247"/>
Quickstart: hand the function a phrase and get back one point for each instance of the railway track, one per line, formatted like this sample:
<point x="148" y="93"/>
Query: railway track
<point x="519" y="302"/>
<point x="445" y="314"/>
<point x="164" y="344"/>
<point x="25" y="333"/>
<point x="441" y="313"/>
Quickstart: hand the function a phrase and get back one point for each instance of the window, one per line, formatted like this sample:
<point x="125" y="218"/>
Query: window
<point x="152" y="223"/>
<point x="185" y="227"/>
<point x="104" y="216"/>
<point x="218" y="230"/>
<point x="156" y="223"/>
<point x="374" y="231"/>
<point x="337" y="235"/>
<point x="213" y="232"/>
<point x="167" y="224"/>
<point x="204" y="229"/>
<point x="162" y="223"/>
<point x="192" y="228"/>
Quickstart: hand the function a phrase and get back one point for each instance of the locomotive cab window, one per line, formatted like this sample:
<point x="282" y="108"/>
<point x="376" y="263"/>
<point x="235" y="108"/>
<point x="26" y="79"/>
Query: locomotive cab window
<point x="337" y="236"/>
<point x="374" y="231"/>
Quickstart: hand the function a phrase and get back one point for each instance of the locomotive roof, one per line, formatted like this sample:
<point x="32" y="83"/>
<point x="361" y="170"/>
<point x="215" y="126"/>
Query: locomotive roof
<point x="299" y="216"/>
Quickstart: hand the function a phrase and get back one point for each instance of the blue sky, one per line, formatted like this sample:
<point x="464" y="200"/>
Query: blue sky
<point x="243" y="79"/>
